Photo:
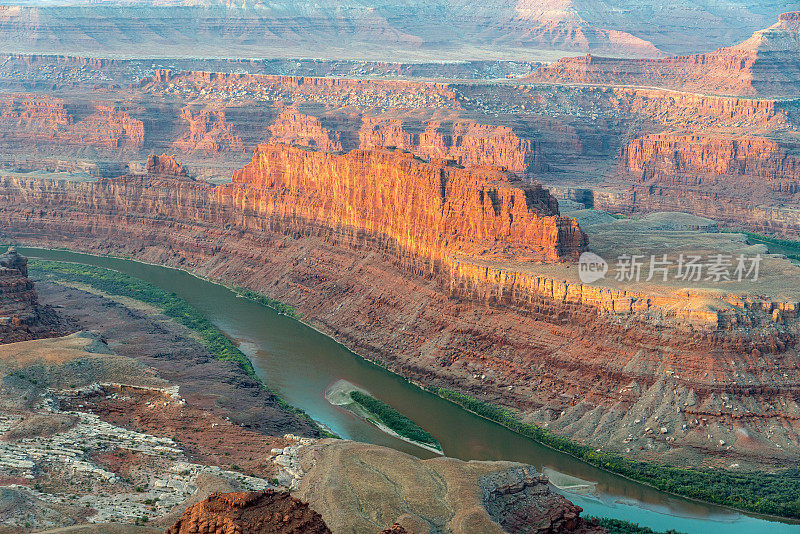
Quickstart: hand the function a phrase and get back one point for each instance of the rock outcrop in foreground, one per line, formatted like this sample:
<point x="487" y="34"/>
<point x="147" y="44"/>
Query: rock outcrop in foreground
<point x="358" y="487"/>
<point x="767" y="64"/>
<point x="267" y="512"/>
<point x="21" y="316"/>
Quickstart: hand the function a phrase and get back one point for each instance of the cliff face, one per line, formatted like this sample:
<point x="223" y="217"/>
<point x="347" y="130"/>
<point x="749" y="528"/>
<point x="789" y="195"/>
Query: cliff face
<point x="766" y="64"/>
<point x="217" y="131"/>
<point x="464" y="141"/>
<point x="208" y="131"/>
<point x="427" y="208"/>
<point x="298" y="128"/>
<point x="752" y="181"/>
<point x="164" y="165"/>
<point x="754" y="163"/>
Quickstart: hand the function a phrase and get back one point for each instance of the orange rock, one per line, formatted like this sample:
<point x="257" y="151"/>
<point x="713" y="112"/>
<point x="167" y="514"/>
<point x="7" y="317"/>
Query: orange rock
<point x="264" y="512"/>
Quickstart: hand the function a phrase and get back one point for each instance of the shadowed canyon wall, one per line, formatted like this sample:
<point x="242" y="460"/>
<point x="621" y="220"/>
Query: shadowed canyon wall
<point x="40" y="119"/>
<point x="742" y="181"/>
<point x="751" y="165"/>
<point x="21" y="316"/>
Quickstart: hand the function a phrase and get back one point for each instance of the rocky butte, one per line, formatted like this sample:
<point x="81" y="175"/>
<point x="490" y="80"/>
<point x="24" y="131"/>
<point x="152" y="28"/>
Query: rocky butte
<point x="21" y="315"/>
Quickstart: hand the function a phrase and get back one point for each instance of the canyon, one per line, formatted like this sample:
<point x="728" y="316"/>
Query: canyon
<point x="189" y="441"/>
<point x="411" y="298"/>
<point x="583" y="140"/>
<point x="427" y="213"/>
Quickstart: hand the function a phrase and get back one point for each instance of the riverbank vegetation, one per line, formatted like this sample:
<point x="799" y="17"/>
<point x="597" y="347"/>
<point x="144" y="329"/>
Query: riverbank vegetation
<point x="790" y="249"/>
<point x="617" y="526"/>
<point x="280" y="307"/>
<point x="393" y="419"/>
<point x="119" y="284"/>
<point x="775" y="493"/>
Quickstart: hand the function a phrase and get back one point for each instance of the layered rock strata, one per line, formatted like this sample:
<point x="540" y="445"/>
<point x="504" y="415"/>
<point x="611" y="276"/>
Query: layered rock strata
<point x="521" y="500"/>
<point x="742" y="181"/>
<point x="37" y="119"/>
<point x="432" y="31"/>
<point x="164" y="165"/>
<point x="466" y="142"/>
<point x="429" y="209"/>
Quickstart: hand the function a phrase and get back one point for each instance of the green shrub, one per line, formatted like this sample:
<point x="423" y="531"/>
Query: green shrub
<point x="280" y="307"/>
<point x="393" y="419"/>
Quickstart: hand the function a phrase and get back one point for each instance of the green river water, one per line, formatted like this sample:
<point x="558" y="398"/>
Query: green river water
<point x="299" y="364"/>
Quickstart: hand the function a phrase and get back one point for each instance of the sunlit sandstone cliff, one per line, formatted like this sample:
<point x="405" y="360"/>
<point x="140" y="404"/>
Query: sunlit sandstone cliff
<point x="428" y="208"/>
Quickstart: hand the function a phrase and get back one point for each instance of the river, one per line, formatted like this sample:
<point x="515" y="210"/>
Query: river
<point x="299" y="364"/>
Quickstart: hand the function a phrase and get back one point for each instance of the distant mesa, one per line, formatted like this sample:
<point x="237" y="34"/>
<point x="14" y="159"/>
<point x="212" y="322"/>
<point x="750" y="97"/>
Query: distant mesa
<point x="767" y="64"/>
<point x="434" y="31"/>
